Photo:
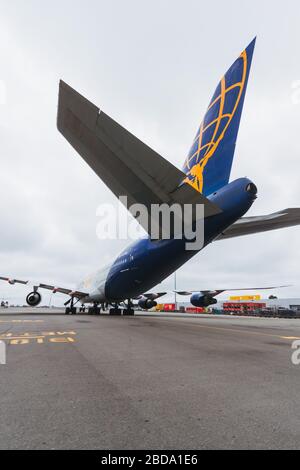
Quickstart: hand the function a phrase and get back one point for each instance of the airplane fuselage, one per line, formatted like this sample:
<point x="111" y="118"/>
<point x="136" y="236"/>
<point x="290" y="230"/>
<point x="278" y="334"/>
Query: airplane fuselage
<point x="147" y="263"/>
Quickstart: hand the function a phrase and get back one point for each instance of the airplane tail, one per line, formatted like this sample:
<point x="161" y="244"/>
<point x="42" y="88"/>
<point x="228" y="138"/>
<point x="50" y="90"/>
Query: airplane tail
<point x="209" y="162"/>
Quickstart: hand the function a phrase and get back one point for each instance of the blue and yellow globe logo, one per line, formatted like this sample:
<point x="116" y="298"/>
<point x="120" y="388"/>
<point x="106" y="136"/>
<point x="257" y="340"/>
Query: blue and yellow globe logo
<point x="216" y="122"/>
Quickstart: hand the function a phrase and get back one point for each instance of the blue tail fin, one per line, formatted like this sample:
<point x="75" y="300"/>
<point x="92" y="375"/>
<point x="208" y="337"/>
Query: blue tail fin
<point x="209" y="162"/>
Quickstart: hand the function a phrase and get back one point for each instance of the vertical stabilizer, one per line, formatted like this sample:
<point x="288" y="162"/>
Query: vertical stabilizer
<point x="209" y="162"/>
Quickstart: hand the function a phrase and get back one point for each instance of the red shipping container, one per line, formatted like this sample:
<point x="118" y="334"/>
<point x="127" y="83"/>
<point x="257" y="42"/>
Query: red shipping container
<point x="243" y="306"/>
<point x="195" y="310"/>
<point x="169" y="307"/>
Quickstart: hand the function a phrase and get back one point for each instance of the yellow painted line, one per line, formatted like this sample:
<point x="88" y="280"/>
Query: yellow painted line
<point x="62" y="340"/>
<point x="22" y="341"/>
<point x="9" y="338"/>
<point x="235" y="330"/>
<point x="36" y="335"/>
<point x="21" y="321"/>
<point x="290" y="337"/>
<point x="18" y="342"/>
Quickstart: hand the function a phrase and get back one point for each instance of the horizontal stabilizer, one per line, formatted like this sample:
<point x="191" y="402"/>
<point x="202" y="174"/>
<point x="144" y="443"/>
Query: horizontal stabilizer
<point x="264" y="223"/>
<point x="124" y="163"/>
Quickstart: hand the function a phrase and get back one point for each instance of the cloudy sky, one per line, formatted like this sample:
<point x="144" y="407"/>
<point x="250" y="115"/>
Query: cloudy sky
<point x="153" y="67"/>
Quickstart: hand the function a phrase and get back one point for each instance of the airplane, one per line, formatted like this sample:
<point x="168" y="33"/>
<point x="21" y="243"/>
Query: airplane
<point x="132" y="169"/>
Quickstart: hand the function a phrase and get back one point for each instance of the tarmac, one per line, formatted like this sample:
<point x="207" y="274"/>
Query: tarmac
<point x="151" y="381"/>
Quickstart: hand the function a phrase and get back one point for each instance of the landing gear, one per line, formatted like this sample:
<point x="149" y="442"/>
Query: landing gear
<point x="115" y="311"/>
<point x="128" y="311"/>
<point x="95" y="310"/>
<point x="71" y="310"/>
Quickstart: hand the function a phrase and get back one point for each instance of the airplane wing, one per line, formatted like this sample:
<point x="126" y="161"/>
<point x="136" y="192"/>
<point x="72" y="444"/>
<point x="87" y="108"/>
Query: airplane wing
<point x="220" y="291"/>
<point x="125" y="164"/>
<point x="151" y="295"/>
<point x="264" y="223"/>
<point x="61" y="290"/>
<point x="157" y="295"/>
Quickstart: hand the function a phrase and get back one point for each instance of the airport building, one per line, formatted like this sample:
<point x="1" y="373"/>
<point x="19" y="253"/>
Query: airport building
<point x="291" y="304"/>
<point x="244" y="303"/>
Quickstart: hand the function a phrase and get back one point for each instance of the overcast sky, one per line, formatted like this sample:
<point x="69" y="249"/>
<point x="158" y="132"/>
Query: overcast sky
<point x="153" y="67"/>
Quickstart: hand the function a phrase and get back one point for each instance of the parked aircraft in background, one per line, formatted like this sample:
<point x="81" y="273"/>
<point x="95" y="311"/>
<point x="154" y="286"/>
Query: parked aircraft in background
<point x="130" y="168"/>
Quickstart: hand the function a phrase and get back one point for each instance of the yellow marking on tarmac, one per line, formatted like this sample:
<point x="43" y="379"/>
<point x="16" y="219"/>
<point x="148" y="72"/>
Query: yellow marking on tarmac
<point x="36" y="335"/>
<point x="21" y="321"/>
<point x="19" y="341"/>
<point x="61" y="340"/>
<point x="40" y="338"/>
<point x="21" y="337"/>
<point x="62" y="333"/>
<point x="258" y="333"/>
<point x="290" y="337"/>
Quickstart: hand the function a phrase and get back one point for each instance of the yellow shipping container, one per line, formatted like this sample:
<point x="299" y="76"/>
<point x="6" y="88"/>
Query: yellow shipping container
<point x="159" y="307"/>
<point x="244" y="297"/>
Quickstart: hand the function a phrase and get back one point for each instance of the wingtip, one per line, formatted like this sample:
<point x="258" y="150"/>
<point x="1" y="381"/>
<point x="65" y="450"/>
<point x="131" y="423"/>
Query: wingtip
<point x="251" y="46"/>
<point x="64" y="85"/>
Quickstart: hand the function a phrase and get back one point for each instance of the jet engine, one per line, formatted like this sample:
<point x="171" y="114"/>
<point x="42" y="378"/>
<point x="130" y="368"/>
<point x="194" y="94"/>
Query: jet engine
<point x="146" y="304"/>
<point x="34" y="299"/>
<point x="202" y="300"/>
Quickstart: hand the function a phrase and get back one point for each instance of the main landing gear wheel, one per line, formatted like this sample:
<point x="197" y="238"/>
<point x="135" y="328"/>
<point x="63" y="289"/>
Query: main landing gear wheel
<point x="95" y="310"/>
<point x="128" y="312"/>
<point x="71" y="311"/>
<point x="115" y="311"/>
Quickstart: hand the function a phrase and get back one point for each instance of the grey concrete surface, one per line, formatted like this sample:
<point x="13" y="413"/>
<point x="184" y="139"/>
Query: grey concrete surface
<point x="163" y="382"/>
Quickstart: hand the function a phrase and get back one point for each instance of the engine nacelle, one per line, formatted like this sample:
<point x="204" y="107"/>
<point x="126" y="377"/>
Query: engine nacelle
<point x="202" y="300"/>
<point x="34" y="299"/>
<point x="146" y="304"/>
